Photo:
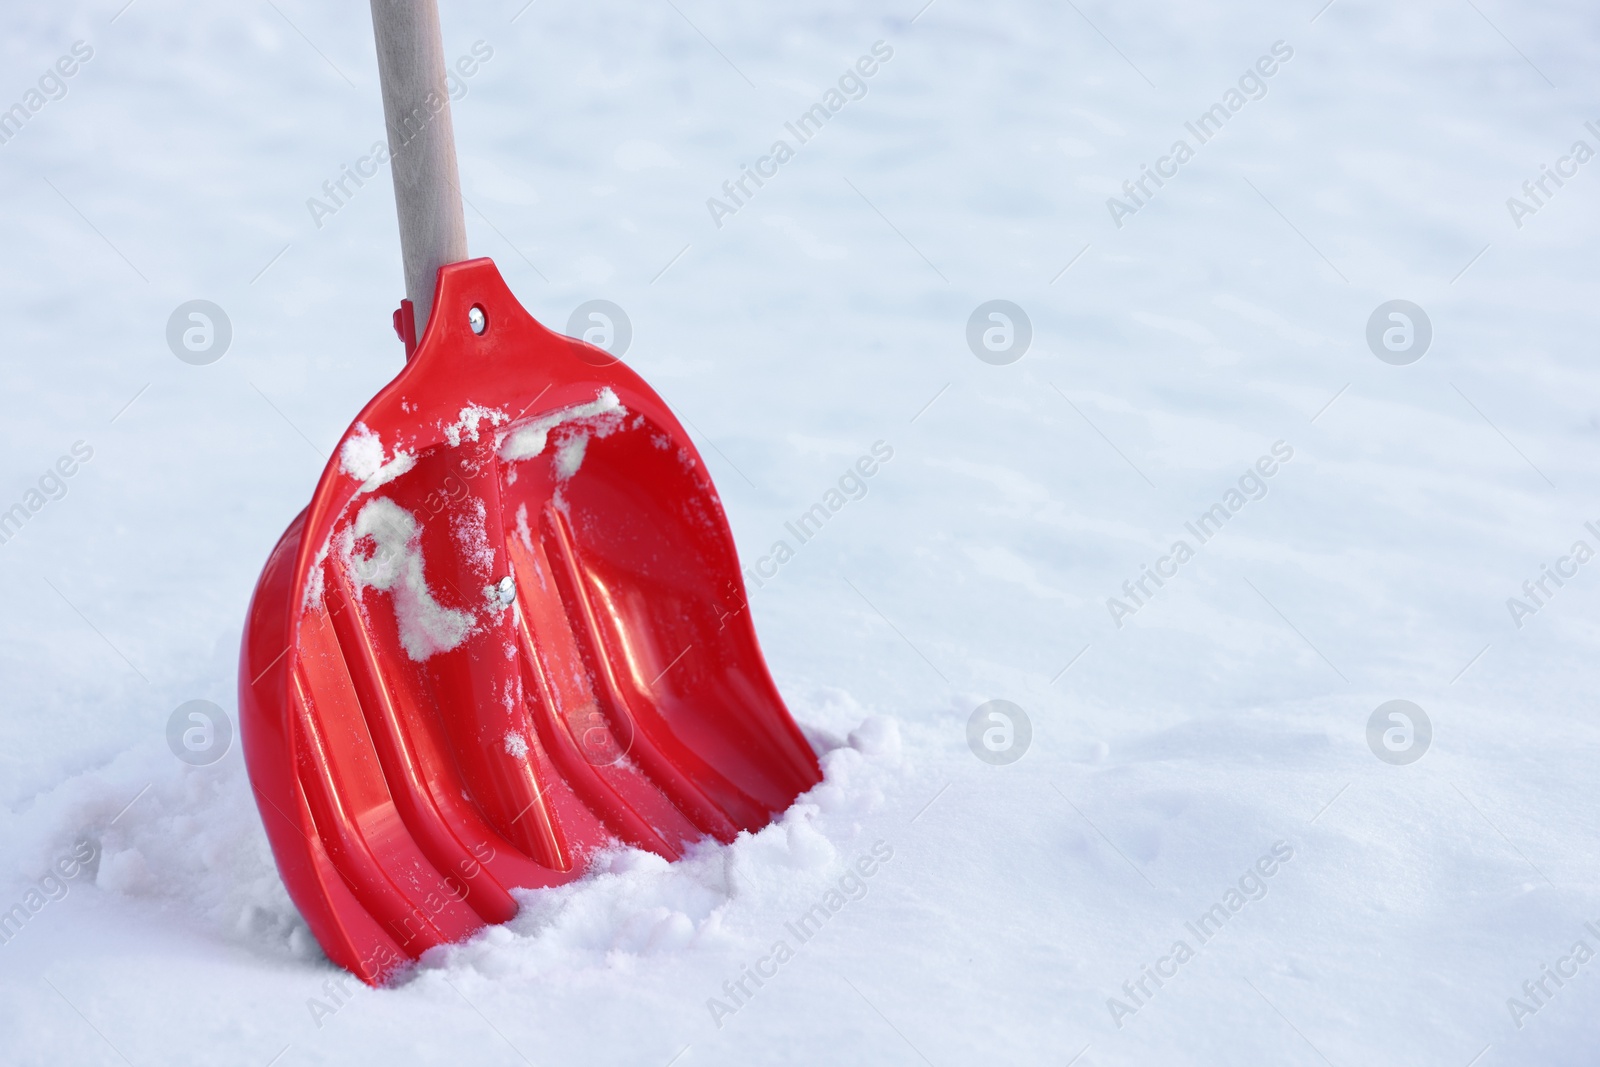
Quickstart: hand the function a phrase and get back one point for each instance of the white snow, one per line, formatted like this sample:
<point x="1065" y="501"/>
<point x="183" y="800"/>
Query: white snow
<point x="317" y="579"/>
<point x="361" y="456"/>
<point x="469" y="527"/>
<point x="528" y="439"/>
<point x="394" y="565"/>
<point x="569" y="456"/>
<point x="1168" y="757"/>
<point x="402" y="462"/>
<point x="465" y="428"/>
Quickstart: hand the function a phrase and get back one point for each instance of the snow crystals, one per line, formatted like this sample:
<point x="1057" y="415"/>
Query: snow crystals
<point x="361" y="456"/>
<point x="529" y="440"/>
<point x="395" y="567"/>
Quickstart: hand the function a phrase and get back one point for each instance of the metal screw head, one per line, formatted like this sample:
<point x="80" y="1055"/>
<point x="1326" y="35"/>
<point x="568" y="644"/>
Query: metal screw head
<point x="477" y="319"/>
<point x="506" y="590"/>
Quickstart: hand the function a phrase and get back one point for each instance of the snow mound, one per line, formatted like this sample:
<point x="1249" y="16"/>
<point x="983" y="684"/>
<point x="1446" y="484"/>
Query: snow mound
<point x="714" y="905"/>
<point x="188" y="842"/>
<point x="180" y="840"/>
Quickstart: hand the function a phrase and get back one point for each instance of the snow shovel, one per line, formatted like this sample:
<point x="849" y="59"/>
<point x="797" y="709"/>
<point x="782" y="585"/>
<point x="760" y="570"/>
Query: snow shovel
<point x="510" y="630"/>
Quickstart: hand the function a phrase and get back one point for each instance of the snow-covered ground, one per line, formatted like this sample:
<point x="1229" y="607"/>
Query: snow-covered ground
<point x="1414" y="912"/>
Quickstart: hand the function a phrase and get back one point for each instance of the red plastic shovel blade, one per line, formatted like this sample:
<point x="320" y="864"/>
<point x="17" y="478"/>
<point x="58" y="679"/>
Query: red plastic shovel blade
<point x="508" y="631"/>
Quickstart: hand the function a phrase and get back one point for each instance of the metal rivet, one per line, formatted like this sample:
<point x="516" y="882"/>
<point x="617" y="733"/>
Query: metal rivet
<point x="506" y="589"/>
<point x="477" y="319"/>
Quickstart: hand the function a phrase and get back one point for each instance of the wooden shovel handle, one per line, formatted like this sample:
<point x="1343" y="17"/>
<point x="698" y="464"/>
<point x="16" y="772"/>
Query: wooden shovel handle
<point x="422" y="144"/>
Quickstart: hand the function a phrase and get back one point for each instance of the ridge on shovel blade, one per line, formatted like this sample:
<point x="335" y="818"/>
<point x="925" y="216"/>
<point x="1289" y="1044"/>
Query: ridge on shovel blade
<point x="508" y="631"/>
